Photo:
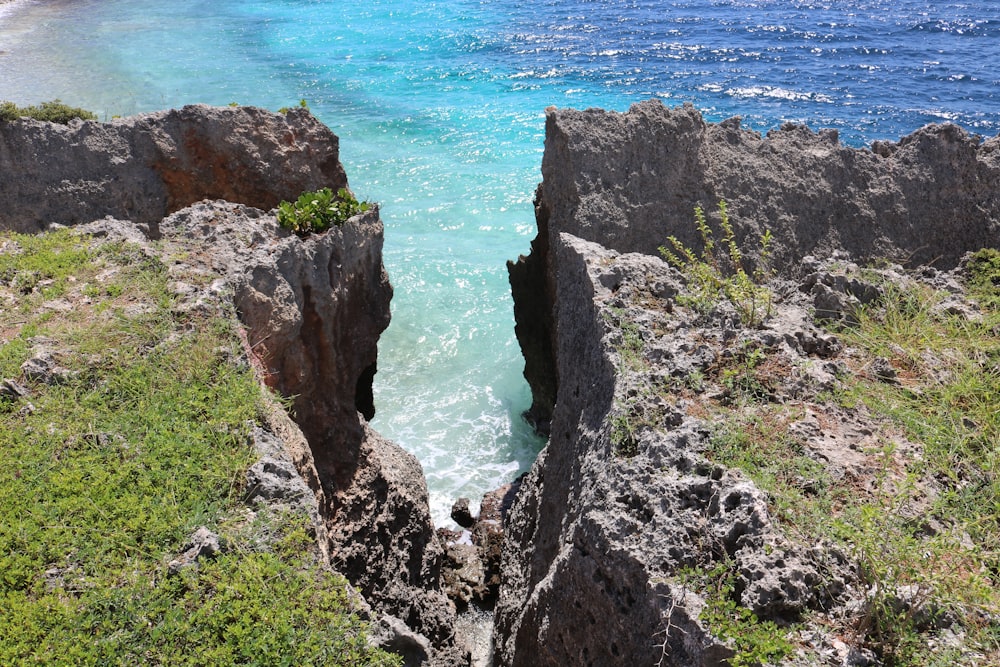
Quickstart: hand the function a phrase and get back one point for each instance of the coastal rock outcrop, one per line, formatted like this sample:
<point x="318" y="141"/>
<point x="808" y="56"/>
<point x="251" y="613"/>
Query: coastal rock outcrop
<point x="624" y="509"/>
<point x="142" y="168"/>
<point x="630" y="180"/>
<point x="313" y="309"/>
<point x="199" y="181"/>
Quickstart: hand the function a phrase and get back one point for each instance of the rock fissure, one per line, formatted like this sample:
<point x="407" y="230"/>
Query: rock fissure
<point x="633" y="384"/>
<point x="201" y="179"/>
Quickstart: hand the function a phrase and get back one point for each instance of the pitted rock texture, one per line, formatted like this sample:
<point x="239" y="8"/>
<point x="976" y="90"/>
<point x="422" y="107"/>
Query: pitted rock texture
<point x="630" y="180"/>
<point x="199" y="180"/>
<point x="144" y="167"/>
<point x="623" y="498"/>
<point x="313" y="309"/>
<point x="627" y="181"/>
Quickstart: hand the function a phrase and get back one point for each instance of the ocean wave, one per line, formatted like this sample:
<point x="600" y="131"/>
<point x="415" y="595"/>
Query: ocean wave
<point x="965" y="28"/>
<point x="778" y="93"/>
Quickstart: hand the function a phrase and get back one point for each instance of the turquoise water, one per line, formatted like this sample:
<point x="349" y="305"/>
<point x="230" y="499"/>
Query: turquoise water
<point x="439" y="106"/>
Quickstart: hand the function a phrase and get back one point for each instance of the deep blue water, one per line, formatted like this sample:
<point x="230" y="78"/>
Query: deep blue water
<point x="439" y="106"/>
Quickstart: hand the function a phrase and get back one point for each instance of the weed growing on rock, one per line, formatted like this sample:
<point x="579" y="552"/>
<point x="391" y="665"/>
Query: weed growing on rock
<point x="317" y="211"/>
<point x="912" y="490"/>
<point x="753" y="641"/>
<point x="53" y="112"/>
<point x="632" y="348"/>
<point x="303" y="104"/>
<point x="720" y="273"/>
<point x="984" y="277"/>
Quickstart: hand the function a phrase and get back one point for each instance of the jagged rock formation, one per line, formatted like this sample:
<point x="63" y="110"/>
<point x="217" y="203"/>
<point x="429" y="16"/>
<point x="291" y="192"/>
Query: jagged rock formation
<point x="144" y="167"/>
<point x="312" y="308"/>
<point x="622" y="498"/>
<point x="628" y="181"/>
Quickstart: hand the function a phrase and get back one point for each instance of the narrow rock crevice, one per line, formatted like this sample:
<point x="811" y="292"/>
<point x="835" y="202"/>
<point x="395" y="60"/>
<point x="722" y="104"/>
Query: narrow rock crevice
<point x="622" y="498"/>
<point x="312" y="309"/>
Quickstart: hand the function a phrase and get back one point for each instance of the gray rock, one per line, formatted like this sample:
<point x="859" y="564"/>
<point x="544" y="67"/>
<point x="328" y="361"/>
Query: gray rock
<point x="313" y="309"/>
<point x="13" y="390"/>
<point x="622" y="499"/>
<point x="392" y="634"/>
<point x="629" y="180"/>
<point x="203" y="543"/>
<point x="143" y="167"/>
<point x="274" y="479"/>
<point x="42" y="367"/>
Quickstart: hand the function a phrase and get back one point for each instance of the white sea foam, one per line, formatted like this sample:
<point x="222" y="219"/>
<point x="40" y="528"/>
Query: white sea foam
<point x="440" y="110"/>
<point x="778" y="93"/>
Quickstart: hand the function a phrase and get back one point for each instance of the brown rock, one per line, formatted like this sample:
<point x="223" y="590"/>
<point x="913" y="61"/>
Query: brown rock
<point x="460" y="513"/>
<point x="144" y="167"/>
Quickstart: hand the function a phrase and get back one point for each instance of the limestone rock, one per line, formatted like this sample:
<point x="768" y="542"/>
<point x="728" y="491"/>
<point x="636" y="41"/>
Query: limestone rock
<point x="313" y="308"/>
<point x="42" y="367"/>
<point x="622" y="498"/>
<point x="629" y="180"/>
<point x="274" y="479"/>
<point x="143" y="167"/>
<point x="460" y="513"/>
<point x="202" y="543"/>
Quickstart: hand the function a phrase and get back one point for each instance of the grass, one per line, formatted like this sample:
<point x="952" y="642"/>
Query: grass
<point x="926" y="532"/>
<point x="753" y="641"/>
<point x="108" y="471"/>
<point x="720" y="273"/>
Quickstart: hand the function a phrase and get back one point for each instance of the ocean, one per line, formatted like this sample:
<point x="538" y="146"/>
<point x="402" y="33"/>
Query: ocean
<point x="440" y="110"/>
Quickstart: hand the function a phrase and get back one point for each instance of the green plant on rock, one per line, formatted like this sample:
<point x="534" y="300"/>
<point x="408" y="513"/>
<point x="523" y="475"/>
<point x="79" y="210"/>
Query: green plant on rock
<point x="984" y="277"/>
<point x="318" y="211"/>
<point x="720" y="272"/>
<point x="115" y="463"/>
<point x="53" y="111"/>
<point x="303" y="104"/>
<point x="753" y="641"/>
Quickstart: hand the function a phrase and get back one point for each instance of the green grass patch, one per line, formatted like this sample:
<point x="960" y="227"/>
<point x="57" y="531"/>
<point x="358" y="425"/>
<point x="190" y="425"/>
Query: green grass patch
<point x="53" y="111"/>
<point x="109" y="470"/>
<point x="753" y="641"/>
<point x="923" y="569"/>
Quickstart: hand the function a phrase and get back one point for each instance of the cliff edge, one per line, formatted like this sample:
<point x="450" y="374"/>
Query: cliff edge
<point x="200" y="182"/>
<point x="709" y="494"/>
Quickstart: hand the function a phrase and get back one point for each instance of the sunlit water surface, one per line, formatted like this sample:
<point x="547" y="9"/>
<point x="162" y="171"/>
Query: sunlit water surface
<point x="439" y="106"/>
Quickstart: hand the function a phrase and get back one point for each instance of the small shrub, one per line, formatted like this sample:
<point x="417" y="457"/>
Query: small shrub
<point x="319" y="210"/>
<point x="721" y="273"/>
<point x="53" y="112"/>
<point x="754" y="642"/>
<point x="303" y="104"/>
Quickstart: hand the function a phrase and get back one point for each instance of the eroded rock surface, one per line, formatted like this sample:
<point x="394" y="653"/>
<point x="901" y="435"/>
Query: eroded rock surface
<point x="144" y="167"/>
<point x="630" y="180"/>
<point x="312" y="310"/>
<point x="627" y="378"/>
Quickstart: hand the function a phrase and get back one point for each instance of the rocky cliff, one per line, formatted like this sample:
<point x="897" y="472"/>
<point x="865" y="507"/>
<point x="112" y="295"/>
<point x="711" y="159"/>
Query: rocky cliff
<point x="639" y="384"/>
<point x="312" y="310"/>
<point x="142" y="168"/>
<point x="630" y="180"/>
